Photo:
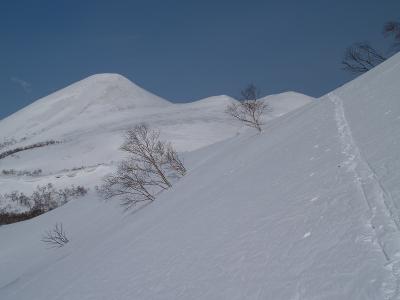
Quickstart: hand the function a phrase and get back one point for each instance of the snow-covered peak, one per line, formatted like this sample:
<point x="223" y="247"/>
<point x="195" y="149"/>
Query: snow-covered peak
<point x="90" y="98"/>
<point x="111" y="90"/>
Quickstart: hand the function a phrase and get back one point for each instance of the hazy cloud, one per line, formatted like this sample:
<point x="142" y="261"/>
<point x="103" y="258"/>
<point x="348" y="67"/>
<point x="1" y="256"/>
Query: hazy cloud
<point x="25" y="85"/>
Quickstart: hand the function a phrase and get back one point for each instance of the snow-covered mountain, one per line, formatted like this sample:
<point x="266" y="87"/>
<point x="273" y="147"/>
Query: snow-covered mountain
<point x="80" y="103"/>
<point x="306" y="210"/>
<point x="90" y="116"/>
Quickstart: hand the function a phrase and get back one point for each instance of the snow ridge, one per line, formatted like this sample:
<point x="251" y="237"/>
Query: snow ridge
<point x="382" y="220"/>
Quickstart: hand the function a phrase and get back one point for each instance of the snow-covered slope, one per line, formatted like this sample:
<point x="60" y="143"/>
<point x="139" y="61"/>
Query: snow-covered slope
<point x="89" y="118"/>
<point x="305" y="210"/>
<point x="83" y="101"/>
<point x="284" y="102"/>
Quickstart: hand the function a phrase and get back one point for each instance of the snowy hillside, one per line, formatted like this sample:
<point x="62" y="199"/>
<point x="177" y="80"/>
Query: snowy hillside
<point x="308" y="209"/>
<point x="84" y="101"/>
<point x="89" y="117"/>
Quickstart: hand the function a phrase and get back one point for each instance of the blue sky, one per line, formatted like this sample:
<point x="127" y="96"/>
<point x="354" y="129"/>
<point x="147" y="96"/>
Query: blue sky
<point x="183" y="50"/>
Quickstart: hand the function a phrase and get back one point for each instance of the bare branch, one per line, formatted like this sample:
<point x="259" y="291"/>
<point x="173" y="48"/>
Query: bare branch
<point x="361" y="58"/>
<point x="55" y="237"/>
<point x="251" y="92"/>
<point x="249" y="110"/>
<point x="149" y="168"/>
<point x="173" y="162"/>
<point x="392" y="29"/>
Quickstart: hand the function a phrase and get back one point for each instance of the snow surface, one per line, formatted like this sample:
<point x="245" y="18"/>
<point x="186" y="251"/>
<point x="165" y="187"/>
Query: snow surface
<point x="89" y="118"/>
<point x="309" y="209"/>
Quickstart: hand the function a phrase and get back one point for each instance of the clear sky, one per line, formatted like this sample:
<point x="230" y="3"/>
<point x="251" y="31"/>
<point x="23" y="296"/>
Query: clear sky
<point x="183" y="50"/>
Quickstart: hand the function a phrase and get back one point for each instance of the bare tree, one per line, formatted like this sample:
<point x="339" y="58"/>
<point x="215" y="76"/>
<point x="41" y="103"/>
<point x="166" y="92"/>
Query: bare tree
<point x="43" y="199"/>
<point x="251" y="92"/>
<point x="130" y="182"/>
<point x="175" y="164"/>
<point x="148" y="169"/>
<point x="249" y="110"/>
<point x="55" y="237"/>
<point x="392" y="28"/>
<point x="360" y="58"/>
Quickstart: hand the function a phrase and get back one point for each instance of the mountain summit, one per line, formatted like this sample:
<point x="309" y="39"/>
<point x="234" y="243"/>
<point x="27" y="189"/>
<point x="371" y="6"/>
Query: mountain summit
<point x="90" y="98"/>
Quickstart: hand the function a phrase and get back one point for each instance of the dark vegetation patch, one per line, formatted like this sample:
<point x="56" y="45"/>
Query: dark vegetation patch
<point x="43" y="199"/>
<point x="28" y="147"/>
<point x="13" y="172"/>
<point x="9" y="218"/>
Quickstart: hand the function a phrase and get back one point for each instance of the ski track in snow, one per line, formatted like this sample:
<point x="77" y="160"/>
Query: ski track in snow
<point x="382" y="219"/>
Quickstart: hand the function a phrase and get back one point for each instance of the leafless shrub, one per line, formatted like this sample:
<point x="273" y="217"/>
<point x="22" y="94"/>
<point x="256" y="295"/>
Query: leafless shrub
<point x="148" y="169"/>
<point x="46" y="197"/>
<point x="9" y="172"/>
<point x="56" y="237"/>
<point x="14" y="172"/>
<point x="129" y="182"/>
<point x="43" y="199"/>
<point x="360" y="58"/>
<point x="251" y="92"/>
<point x="175" y="164"/>
<point x="249" y="110"/>
<point x="20" y="198"/>
<point x="65" y="194"/>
